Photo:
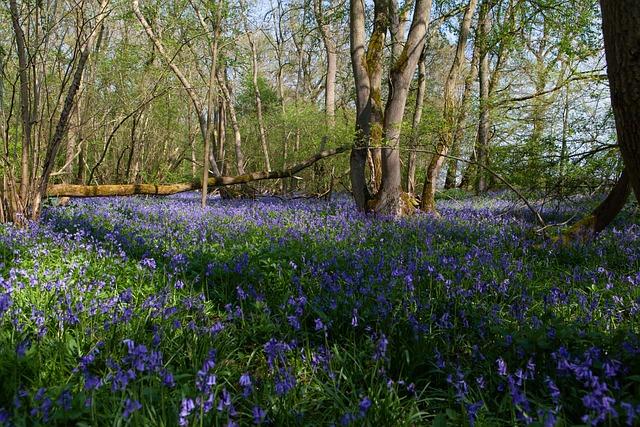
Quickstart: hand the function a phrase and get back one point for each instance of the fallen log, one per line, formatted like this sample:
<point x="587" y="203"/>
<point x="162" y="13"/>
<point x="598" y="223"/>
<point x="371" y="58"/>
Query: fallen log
<point x="71" y="190"/>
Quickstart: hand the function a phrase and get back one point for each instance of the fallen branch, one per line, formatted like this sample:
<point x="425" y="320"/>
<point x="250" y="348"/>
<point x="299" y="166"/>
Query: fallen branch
<point x="69" y="190"/>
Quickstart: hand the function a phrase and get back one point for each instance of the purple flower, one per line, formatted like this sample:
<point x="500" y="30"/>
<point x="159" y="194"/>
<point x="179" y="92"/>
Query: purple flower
<point x="472" y="411"/>
<point x="258" y="415"/>
<point x="130" y="407"/>
<point x="4" y="415"/>
<point x="185" y="411"/>
<point x="502" y="367"/>
<point x="555" y="392"/>
<point x="364" y="406"/>
<point x="245" y="380"/>
<point x="631" y="413"/>
<point x="381" y="348"/>
<point x="65" y="400"/>
<point x="167" y="378"/>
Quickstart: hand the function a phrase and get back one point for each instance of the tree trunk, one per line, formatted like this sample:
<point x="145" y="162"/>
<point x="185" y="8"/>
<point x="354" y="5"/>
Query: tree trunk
<point x="358" y="158"/>
<point x="203" y="121"/>
<point x="390" y="200"/>
<point x="602" y="215"/>
<point x="237" y="137"/>
<point x="435" y="165"/>
<point x="54" y="144"/>
<point x="621" y="29"/>
<point x="324" y="26"/>
<point x="415" y="123"/>
<point x="461" y="125"/>
<point x="256" y="89"/>
<point x="482" y="145"/>
<point x="375" y="55"/>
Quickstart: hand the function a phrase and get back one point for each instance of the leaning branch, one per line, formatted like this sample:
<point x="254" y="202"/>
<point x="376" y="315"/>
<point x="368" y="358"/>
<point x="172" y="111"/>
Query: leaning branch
<point x="69" y="190"/>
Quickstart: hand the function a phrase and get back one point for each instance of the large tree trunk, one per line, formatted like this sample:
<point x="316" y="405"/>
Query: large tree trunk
<point x="375" y="55"/>
<point x="621" y="29"/>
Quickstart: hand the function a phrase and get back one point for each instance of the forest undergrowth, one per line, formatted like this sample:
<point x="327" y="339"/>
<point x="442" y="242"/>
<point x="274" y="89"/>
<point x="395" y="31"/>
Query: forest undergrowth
<point x="152" y="311"/>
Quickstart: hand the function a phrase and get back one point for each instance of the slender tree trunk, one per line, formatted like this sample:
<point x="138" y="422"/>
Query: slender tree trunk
<point x="188" y="87"/>
<point x="54" y="144"/>
<point x="25" y="104"/>
<point x="461" y="126"/>
<point x="358" y="158"/>
<point x="482" y="146"/>
<point x="437" y="160"/>
<point x="256" y="89"/>
<point x="331" y="51"/>
<point x="415" y="123"/>
<point x="237" y="137"/>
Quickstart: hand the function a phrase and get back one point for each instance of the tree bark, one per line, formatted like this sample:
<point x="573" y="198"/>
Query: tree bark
<point x="461" y="125"/>
<point x="621" y="30"/>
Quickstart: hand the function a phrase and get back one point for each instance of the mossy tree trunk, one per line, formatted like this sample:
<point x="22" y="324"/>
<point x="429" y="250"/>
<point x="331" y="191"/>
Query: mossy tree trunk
<point x="602" y="215"/>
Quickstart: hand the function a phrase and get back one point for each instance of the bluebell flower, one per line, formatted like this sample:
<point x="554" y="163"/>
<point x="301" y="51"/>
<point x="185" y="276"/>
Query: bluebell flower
<point x="381" y="348"/>
<point x="186" y="407"/>
<point x="5" y="416"/>
<point x="502" y="367"/>
<point x="472" y="411"/>
<point x="364" y="406"/>
<point x="631" y="413"/>
<point x="130" y="407"/>
<point x="258" y="415"/>
<point x="64" y="400"/>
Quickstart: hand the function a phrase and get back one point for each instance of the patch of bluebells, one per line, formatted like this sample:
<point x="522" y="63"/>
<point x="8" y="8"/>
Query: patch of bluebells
<point x="470" y="303"/>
